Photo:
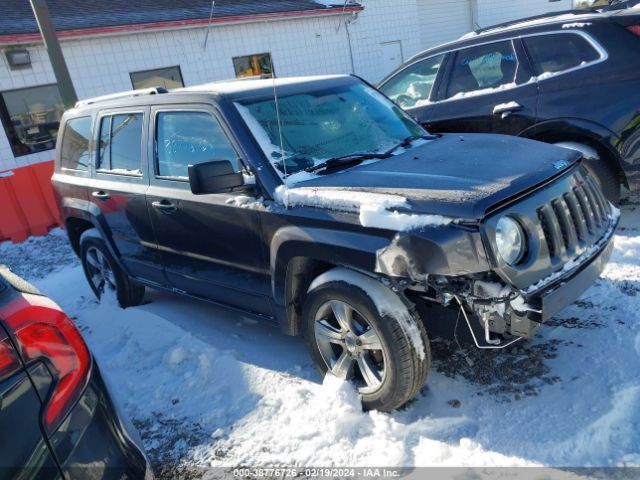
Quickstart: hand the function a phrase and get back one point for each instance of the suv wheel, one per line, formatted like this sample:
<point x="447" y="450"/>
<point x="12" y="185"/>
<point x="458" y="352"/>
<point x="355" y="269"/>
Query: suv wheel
<point x="386" y="356"/>
<point x="103" y="273"/>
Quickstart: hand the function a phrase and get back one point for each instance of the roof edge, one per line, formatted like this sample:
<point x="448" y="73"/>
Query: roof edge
<point x="176" y="24"/>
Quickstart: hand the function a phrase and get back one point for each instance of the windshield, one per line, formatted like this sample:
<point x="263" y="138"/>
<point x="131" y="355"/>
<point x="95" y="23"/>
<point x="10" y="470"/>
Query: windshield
<point x="328" y="123"/>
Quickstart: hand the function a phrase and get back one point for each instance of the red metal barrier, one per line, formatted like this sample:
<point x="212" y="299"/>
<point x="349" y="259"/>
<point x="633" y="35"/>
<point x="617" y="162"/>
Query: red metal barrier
<point x="27" y="204"/>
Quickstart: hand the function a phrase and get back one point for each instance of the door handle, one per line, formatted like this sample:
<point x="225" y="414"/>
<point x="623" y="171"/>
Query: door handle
<point x="505" y="109"/>
<point x="101" y="195"/>
<point x="165" y="206"/>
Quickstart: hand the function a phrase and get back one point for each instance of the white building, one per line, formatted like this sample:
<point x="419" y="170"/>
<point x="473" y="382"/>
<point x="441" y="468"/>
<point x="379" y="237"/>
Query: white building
<point x="118" y="45"/>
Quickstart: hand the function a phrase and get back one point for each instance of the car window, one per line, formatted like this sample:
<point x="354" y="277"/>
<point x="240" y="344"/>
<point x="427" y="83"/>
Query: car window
<point x="482" y="68"/>
<point x="75" y="144"/>
<point x="189" y="138"/>
<point x="412" y="86"/>
<point x="559" y="52"/>
<point x="120" y="144"/>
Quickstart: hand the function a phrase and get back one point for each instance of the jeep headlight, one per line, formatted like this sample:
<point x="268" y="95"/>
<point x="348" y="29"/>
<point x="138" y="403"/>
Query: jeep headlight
<point x="510" y="240"/>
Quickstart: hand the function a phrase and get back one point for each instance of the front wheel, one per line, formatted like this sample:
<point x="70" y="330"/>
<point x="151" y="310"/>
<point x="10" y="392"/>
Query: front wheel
<point x="104" y="274"/>
<point x="350" y="331"/>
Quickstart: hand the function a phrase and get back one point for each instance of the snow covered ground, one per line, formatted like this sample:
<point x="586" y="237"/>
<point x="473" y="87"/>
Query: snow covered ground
<point x="209" y="388"/>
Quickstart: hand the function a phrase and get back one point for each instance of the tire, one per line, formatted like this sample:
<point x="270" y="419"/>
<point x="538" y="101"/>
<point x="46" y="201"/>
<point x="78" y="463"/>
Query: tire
<point x="102" y="271"/>
<point x="606" y="177"/>
<point x="399" y="367"/>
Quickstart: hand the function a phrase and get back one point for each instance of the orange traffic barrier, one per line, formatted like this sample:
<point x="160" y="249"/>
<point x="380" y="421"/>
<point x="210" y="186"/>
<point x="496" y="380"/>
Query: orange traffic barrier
<point x="27" y="204"/>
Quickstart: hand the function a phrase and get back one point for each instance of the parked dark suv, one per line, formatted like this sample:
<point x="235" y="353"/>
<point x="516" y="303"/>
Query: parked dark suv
<point x="319" y="205"/>
<point x="571" y="79"/>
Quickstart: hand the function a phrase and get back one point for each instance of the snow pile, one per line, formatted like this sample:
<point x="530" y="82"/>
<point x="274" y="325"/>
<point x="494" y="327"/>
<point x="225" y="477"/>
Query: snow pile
<point x="374" y="208"/>
<point x="245" y="201"/>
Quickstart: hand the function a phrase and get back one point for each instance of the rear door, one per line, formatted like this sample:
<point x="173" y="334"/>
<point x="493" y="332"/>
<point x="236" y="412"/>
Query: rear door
<point x="486" y="88"/>
<point x="118" y="188"/>
<point x="211" y="246"/>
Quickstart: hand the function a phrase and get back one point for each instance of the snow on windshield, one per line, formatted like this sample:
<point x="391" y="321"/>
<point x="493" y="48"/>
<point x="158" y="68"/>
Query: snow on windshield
<point x="333" y="122"/>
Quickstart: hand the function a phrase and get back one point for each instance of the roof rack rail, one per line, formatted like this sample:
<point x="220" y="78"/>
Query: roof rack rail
<point x="127" y="94"/>
<point x="549" y="15"/>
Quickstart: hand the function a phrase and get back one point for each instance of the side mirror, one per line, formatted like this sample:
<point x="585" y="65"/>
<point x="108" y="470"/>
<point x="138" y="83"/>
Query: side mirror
<point x="217" y="176"/>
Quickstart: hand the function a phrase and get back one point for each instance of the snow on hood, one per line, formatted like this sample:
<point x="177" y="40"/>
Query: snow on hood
<point x="377" y="210"/>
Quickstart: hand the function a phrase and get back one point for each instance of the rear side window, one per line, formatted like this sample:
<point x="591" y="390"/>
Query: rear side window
<point x="75" y="144"/>
<point x="559" y="52"/>
<point x="189" y="138"/>
<point x="121" y="144"/>
<point x="482" y="68"/>
<point x="412" y="86"/>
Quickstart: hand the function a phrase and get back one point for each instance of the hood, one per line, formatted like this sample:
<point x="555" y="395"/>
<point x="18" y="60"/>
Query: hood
<point x="456" y="175"/>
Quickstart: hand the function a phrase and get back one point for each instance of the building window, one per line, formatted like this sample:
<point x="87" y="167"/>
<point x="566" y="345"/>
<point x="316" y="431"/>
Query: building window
<point x="31" y="117"/>
<point x="258" y="65"/>
<point x="170" y="77"/>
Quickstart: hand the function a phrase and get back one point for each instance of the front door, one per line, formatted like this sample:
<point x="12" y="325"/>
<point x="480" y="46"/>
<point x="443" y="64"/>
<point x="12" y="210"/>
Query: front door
<point x="211" y="246"/>
<point x="391" y="56"/>
<point x="486" y="89"/>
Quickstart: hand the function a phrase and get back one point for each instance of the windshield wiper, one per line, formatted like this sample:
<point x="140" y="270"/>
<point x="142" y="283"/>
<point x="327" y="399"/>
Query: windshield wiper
<point x="356" y="158"/>
<point x="345" y="160"/>
<point x="408" y="141"/>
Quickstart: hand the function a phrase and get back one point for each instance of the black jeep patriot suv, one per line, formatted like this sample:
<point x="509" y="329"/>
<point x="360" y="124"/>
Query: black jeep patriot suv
<point x="318" y="204"/>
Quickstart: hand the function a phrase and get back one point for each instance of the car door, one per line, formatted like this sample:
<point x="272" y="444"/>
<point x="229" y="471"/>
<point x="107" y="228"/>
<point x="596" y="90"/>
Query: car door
<point x="210" y="247"/>
<point x="118" y="187"/>
<point x="486" y="88"/>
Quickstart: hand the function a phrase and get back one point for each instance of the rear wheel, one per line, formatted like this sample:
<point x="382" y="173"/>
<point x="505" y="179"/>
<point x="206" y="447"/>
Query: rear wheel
<point x="386" y="357"/>
<point x="104" y="274"/>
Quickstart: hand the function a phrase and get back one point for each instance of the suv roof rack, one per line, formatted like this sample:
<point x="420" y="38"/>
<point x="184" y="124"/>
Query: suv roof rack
<point x="549" y="15"/>
<point x="127" y="94"/>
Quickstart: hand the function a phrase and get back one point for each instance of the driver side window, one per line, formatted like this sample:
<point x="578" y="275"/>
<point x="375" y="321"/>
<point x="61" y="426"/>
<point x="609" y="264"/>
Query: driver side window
<point x="412" y="86"/>
<point x="187" y="138"/>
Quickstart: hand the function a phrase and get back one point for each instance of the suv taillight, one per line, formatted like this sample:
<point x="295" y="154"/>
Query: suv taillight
<point x="635" y="29"/>
<point x="45" y="333"/>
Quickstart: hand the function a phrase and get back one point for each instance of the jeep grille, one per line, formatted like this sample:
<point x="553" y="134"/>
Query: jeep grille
<point x="574" y="221"/>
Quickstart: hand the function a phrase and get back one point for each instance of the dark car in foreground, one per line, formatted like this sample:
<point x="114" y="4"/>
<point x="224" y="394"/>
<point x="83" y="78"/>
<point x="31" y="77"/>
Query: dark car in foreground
<point x="57" y="419"/>
<point x="571" y="79"/>
<point x="319" y="205"/>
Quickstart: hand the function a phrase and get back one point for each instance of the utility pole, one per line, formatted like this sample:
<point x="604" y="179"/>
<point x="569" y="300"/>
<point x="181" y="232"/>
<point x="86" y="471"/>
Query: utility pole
<point x="60" y="70"/>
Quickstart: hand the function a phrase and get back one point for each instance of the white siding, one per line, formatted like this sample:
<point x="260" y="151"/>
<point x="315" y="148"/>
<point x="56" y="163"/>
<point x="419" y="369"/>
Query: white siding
<point x="443" y="20"/>
<point x="491" y="12"/>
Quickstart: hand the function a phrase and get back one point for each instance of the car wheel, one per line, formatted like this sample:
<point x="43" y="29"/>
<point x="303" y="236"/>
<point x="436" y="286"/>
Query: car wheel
<point x="386" y="356"/>
<point x="103" y="273"/>
<point x="606" y="178"/>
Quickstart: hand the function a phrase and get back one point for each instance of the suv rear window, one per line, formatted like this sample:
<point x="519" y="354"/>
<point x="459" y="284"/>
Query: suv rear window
<point x="559" y="52"/>
<point x="482" y="67"/>
<point x="120" y="144"/>
<point x="75" y="144"/>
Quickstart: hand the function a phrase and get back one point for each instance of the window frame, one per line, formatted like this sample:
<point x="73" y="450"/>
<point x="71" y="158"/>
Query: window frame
<point x="273" y="68"/>
<point x="143" y="141"/>
<point x="154" y="169"/>
<point x="602" y="52"/>
<point x="5" y="120"/>
<point x="62" y="133"/>
<point x="153" y="70"/>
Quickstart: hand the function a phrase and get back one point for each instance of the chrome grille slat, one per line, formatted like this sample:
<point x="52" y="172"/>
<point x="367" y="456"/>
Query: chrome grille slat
<point x="586" y="208"/>
<point x="597" y="210"/>
<point x="567" y="226"/>
<point x="578" y="216"/>
<point x="553" y="232"/>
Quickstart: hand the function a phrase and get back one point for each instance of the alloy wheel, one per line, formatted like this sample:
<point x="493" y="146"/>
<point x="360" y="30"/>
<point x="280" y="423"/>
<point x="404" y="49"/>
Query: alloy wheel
<point x="350" y="346"/>
<point x="99" y="270"/>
